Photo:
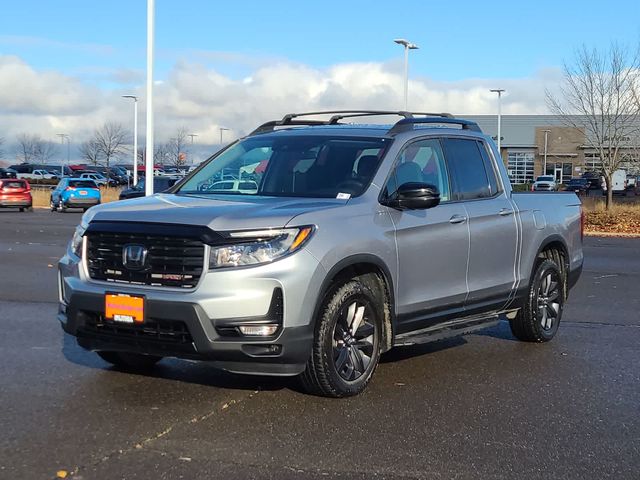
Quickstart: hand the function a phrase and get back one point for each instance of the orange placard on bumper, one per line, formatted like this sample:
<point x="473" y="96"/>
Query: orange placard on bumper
<point x="124" y="308"/>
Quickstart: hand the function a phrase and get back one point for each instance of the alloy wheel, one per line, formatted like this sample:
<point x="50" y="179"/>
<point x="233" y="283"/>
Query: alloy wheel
<point x="548" y="301"/>
<point x="353" y="339"/>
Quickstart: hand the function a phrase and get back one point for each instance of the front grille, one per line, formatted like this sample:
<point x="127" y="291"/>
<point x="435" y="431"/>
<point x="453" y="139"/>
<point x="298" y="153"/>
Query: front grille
<point x="171" y="334"/>
<point x="171" y="262"/>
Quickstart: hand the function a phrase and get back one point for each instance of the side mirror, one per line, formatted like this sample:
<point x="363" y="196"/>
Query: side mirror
<point x="414" y="196"/>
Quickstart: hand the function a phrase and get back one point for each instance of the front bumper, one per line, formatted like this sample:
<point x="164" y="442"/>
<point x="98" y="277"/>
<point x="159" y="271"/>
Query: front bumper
<point x="196" y="324"/>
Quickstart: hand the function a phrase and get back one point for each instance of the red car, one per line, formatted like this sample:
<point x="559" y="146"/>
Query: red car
<point x="15" y="193"/>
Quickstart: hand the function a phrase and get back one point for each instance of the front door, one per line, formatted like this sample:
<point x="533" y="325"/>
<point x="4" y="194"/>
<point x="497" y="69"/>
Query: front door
<point x="432" y="244"/>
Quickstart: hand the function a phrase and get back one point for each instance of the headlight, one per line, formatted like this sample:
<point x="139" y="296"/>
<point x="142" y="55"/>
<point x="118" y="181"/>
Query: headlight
<point x="76" y="241"/>
<point x="261" y="246"/>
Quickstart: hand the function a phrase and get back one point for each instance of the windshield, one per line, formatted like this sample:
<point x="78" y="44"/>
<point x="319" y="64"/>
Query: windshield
<point x="291" y="166"/>
<point x="545" y="178"/>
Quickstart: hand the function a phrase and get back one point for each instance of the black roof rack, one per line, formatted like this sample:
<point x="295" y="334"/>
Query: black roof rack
<point x="407" y="124"/>
<point x="291" y="118"/>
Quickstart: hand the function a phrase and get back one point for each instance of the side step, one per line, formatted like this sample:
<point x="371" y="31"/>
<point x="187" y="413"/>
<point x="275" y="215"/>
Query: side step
<point x="453" y="328"/>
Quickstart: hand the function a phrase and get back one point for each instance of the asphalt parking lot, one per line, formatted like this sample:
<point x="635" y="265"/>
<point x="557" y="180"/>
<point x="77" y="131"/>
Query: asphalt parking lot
<point x="483" y="406"/>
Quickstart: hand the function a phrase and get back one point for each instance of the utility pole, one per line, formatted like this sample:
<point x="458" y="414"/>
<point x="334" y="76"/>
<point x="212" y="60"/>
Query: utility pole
<point x="63" y="137"/>
<point x="407" y="46"/>
<point x="148" y="181"/>
<point x="499" y="91"/>
<point x="546" y="144"/>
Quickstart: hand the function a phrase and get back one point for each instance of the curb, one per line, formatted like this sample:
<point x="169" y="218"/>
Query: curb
<point x="611" y="234"/>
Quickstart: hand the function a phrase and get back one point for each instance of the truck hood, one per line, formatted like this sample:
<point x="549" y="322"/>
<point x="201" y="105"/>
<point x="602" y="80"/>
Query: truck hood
<point x="218" y="213"/>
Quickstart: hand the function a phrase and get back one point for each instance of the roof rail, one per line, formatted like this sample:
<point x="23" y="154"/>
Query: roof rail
<point x="407" y="124"/>
<point x="337" y="115"/>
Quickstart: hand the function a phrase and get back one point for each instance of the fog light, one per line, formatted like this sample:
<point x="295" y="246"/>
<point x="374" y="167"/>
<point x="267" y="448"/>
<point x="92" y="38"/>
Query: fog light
<point x="258" y="330"/>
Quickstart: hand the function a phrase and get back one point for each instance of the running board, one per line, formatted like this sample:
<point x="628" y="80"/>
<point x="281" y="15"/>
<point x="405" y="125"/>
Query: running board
<point x="453" y="328"/>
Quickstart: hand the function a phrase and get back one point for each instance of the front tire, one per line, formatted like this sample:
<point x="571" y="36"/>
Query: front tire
<point x="346" y="347"/>
<point x="539" y="318"/>
<point x="131" y="361"/>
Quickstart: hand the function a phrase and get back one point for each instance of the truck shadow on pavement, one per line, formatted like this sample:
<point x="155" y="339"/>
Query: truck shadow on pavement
<point x="194" y="372"/>
<point x="203" y="373"/>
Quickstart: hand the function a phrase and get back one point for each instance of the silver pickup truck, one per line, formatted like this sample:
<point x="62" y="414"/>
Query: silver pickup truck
<point x="312" y="246"/>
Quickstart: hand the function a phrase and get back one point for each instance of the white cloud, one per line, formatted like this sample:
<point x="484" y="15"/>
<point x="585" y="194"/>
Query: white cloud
<point x="201" y="99"/>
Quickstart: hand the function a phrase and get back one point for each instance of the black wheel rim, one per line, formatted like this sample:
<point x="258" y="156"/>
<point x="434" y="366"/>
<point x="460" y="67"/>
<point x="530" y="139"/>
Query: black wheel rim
<point x="549" y="300"/>
<point x="354" y="337"/>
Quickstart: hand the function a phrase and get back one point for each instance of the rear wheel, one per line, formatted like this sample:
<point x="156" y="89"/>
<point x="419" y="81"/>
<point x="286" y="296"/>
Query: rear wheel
<point x="539" y="318"/>
<point x="346" y="347"/>
<point x="22" y="209"/>
<point x="128" y="360"/>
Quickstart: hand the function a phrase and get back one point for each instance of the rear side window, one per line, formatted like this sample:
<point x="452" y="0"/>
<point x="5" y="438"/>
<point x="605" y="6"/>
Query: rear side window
<point x="467" y="167"/>
<point x="82" y="184"/>
<point x="13" y="184"/>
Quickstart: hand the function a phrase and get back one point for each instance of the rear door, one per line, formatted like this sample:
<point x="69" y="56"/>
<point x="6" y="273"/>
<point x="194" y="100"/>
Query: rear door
<point x="492" y="223"/>
<point x="432" y="245"/>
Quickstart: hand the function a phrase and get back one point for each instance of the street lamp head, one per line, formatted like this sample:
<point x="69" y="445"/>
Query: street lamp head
<point x="406" y="43"/>
<point x="130" y="96"/>
<point x="498" y="90"/>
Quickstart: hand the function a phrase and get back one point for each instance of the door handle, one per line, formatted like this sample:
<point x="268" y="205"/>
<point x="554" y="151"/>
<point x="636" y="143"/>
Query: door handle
<point x="505" y="211"/>
<point x="458" y="219"/>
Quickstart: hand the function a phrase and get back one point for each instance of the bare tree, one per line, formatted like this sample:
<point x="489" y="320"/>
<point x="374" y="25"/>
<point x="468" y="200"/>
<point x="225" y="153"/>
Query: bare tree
<point x="598" y="96"/>
<point x="90" y="151"/>
<point x="44" y="150"/>
<point x="1" y="150"/>
<point x="32" y="148"/>
<point x="111" y="141"/>
<point x="176" y="148"/>
<point x="25" y="148"/>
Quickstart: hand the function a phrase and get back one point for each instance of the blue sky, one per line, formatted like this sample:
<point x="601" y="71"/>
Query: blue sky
<point x="64" y="65"/>
<point x="458" y="40"/>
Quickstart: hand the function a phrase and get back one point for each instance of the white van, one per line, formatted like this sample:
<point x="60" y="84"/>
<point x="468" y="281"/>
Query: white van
<point x="618" y="182"/>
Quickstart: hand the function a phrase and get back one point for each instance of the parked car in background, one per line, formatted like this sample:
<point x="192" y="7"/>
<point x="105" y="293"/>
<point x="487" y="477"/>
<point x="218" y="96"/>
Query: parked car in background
<point x="8" y="173"/>
<point x="618" y="183"/>
<point x="230" y="186"/>
<point x="74" y="193"/>
<point x="116" y="175"/>
<point x="578" y="185"/>
<point x="160" y="184"/>
<point x="38" y="174"/>
<point x="15" y="193"/>
<point x="632" y="182"/>
<point x="595" y="181"/>
<point x="100" y="179"/>
<point x="545" y="183"/>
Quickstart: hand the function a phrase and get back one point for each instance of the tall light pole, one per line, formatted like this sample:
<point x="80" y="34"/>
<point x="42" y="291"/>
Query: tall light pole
<point x="63" y="137"/>
<point x="222" y="129"/>
<point x="407" y="46"/>
<point x="148" y="178"/>
<point x="499" y="91"/>
<point x="546" y="144"/>
<point x="192" y="135"/>
<point x="135" y="137"/>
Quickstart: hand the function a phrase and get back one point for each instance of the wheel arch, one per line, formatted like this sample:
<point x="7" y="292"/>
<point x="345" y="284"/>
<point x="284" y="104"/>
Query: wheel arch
<point x="354" y="266"/>
<point x="555" y="248"/>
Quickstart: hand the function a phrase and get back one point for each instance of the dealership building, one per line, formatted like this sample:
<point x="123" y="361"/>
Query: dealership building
<point x="567" y="152"/>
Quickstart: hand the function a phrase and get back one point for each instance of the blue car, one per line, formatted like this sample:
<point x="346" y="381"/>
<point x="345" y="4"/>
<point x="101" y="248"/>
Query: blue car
<point x="75" y="193"/>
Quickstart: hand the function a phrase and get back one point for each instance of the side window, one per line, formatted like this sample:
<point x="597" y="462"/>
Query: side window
<point x="467" y="167"/>
<point x="490" y="168"/>
<point x="421" y="161"/>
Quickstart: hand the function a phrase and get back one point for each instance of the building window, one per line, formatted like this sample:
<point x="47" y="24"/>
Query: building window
<point x="592" y="162"/>
<point x="520" y="167"/>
